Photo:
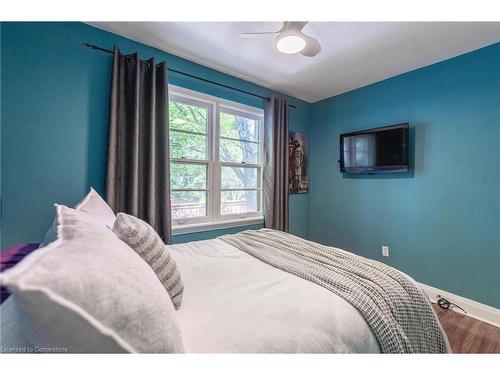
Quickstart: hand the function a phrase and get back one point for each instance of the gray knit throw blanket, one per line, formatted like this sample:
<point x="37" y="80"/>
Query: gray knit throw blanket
<point x="393" y="305"/>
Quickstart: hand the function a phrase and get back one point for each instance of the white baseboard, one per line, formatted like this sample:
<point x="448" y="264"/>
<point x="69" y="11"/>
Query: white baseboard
<point x="474" y="309"/>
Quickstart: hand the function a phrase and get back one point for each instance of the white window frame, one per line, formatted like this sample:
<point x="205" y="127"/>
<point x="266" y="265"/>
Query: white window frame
<point x="214" y="219"/>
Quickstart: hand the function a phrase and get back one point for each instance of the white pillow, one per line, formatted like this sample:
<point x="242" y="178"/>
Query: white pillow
<point x="97" y="207"/>
<point x="12" y="337"/>
<point x="90" y="292"/>
<point x="92" y="204"/>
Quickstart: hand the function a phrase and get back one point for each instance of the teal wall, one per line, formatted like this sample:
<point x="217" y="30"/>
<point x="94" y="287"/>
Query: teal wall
<point x="441" y="220"/>
<point x="54" y="95"/>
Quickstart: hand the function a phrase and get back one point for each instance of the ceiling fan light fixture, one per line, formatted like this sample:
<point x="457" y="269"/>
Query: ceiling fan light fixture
<point x="290" y="43"/>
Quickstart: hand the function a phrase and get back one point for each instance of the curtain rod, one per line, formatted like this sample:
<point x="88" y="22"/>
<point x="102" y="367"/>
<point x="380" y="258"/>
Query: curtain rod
<point x="93" y="46"/>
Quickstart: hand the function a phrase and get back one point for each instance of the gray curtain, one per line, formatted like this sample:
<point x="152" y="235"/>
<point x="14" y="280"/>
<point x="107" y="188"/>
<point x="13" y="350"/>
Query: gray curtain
<point x="275" y="174"/>
<point x="138" y="181"/>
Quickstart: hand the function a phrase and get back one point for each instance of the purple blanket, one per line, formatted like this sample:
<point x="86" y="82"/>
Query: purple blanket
<point x="10" y="257"/>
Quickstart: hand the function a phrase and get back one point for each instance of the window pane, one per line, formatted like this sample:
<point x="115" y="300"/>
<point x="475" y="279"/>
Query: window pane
<point x="233" y="126"/>
<point x="187" y="204"/>
<point x="236" y="202"/>
<point x="188" y="146"/>
<point x="239" y="151"/>
<point x="188" y="176"/>
<point x="239" y="178"/>
<point x="187" y="117"/>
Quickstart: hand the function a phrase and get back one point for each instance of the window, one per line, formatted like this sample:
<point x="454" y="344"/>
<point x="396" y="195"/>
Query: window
<point x="215" y="162"/>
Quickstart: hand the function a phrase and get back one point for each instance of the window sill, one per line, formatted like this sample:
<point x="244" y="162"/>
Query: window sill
<point x="205" y="227"/>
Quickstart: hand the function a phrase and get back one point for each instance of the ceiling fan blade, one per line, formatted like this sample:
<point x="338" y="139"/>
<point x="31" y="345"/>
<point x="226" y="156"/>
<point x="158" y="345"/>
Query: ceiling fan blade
<point x="257" y="35"/>
<point x="312" y="47"/>
<point x="296" y="26"/>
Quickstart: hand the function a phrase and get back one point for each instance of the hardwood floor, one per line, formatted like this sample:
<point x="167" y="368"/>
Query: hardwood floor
<point x="468" y="335"/>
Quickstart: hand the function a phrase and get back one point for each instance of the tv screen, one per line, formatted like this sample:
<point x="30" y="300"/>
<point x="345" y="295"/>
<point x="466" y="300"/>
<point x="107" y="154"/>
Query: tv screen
<point x="379" y="150"/>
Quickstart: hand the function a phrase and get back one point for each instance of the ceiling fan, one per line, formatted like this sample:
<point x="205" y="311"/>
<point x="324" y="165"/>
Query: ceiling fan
<point x="290" y="39"/>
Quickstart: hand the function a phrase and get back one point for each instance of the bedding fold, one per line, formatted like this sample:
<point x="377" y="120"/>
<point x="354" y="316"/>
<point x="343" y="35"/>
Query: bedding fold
<point x="393" y="305"/>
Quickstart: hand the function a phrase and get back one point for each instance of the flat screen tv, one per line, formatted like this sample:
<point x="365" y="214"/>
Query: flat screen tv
<point x="379" y="150"/>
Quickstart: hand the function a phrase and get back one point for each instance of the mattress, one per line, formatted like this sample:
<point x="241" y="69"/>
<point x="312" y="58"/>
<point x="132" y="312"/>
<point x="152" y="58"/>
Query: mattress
<point x="234" y="303"/>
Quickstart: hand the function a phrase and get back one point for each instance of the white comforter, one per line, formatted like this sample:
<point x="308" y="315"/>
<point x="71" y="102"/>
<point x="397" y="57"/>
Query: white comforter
<point x="234" y="303"/>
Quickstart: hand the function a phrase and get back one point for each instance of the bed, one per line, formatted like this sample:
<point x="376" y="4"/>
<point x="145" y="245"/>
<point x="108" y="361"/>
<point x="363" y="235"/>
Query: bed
<point x="257" y="291"/>
<point x="235" y="303"/>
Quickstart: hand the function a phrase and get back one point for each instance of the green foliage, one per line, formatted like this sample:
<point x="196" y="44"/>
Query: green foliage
<point x="183" y="117"/>
<point x="188" y="146"/>
<point x="188" y="176"/>
<point x="187" y="117"/>
<point x="231" y="178"/>
<point x="232" y="126"/>
<point x="239" y="151"/>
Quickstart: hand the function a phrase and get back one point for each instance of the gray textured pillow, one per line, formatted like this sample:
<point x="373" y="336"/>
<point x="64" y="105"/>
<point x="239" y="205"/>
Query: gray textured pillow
<point x="141" y="237"/>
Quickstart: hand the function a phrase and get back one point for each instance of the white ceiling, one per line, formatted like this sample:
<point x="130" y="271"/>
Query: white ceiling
<point x="354" y="54"/>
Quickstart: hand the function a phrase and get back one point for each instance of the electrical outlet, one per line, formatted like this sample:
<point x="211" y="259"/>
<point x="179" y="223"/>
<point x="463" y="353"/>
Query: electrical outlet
<point x="385" y="251"/>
